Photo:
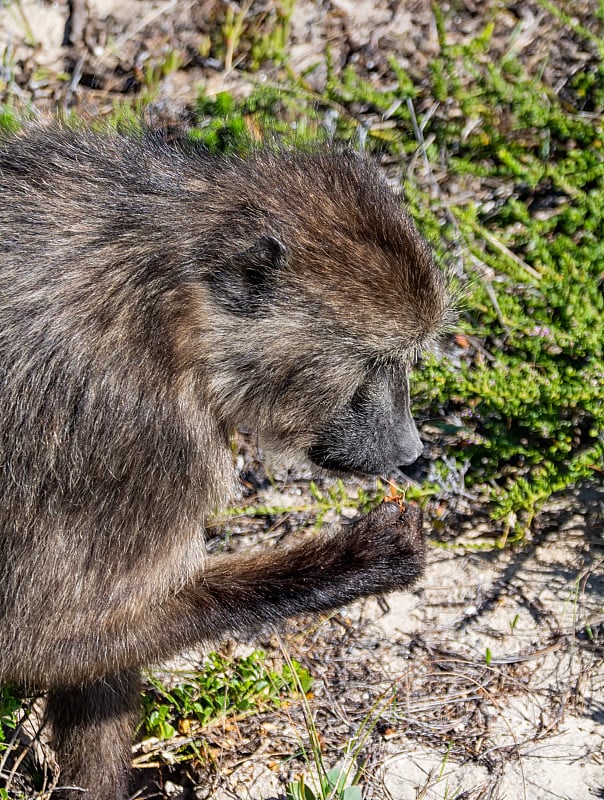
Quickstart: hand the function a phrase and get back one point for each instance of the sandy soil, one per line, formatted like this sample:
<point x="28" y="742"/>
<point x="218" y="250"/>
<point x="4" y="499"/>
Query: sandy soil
<point x="484" y="682"/>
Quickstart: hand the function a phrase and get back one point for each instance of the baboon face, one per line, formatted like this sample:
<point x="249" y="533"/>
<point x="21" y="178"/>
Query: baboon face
<point x="375" y="432"/>
<point x="345" y="408"/>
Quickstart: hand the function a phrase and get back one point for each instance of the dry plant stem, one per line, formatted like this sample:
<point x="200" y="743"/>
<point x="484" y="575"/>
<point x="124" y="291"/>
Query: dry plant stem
<point x="419" y="135"/>
<point x="77" y="21"/>
<point x="481" y="272"/>
<point x="136" y="28"/>
<point x="498" y="245"/>
<point x="11" y="747"/>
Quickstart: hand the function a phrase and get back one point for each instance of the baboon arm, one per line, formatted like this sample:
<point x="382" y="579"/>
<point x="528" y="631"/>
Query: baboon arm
<point x="379" y="553"/>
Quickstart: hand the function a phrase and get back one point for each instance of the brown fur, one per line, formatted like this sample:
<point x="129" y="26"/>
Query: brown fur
<point x="151" y="299"/>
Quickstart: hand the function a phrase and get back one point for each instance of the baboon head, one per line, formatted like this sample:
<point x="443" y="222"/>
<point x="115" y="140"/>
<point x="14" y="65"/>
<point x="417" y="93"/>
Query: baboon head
<point x="326" y="298"/>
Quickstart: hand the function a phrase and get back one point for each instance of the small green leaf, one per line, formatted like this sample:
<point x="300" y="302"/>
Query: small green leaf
<point x="336" y="778"/>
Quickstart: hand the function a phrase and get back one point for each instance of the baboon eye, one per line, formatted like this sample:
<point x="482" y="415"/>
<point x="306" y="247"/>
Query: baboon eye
<point x="246" y="282"/>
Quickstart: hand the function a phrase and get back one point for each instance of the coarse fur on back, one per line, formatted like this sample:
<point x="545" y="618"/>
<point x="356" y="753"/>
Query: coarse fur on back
<point x="152" y="298"/>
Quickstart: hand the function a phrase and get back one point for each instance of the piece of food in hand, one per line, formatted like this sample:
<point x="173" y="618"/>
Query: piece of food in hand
<point x="396" y="495"/>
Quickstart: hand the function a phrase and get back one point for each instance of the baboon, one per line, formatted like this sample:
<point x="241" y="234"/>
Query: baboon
<point x="152" y="298"/>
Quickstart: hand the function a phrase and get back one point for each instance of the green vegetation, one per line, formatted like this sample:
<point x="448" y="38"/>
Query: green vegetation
<point x="341" y="782"/>
<point x="9" y="708"/>
<point x="531" y="399"/>
<point x="13" y="712"/>
<point x="333" y="785"/>
<point x="335" y="498"/>
<point x="222" y="687"/>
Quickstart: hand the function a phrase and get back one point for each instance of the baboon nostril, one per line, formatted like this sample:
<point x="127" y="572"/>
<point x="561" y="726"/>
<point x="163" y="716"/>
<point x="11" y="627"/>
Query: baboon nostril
<point x="411" y="453"/>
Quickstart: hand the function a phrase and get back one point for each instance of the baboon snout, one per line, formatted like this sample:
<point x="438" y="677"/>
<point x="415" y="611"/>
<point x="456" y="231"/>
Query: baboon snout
<point x="411" y="447"/>
<point x="375" y="433"/>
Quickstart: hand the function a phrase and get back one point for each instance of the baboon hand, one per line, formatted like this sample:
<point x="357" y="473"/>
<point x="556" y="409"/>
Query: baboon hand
<point x="387" y="547"/>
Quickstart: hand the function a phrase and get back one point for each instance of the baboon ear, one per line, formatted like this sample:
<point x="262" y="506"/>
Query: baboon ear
<point x="246" y="282"/>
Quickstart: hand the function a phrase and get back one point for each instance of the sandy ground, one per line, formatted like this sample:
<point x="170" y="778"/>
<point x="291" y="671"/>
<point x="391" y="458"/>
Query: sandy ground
<point x="490" y="674"/>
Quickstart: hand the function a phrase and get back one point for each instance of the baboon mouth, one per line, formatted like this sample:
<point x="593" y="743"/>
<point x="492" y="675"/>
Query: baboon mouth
<point x="412" y="473"/>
